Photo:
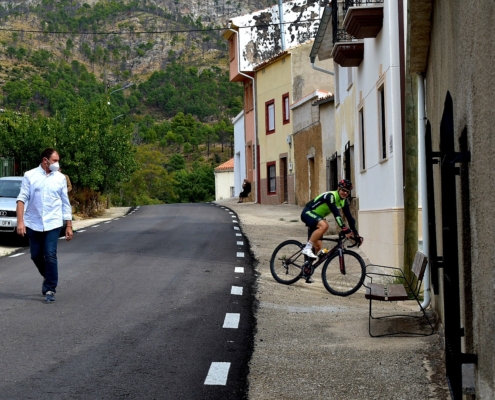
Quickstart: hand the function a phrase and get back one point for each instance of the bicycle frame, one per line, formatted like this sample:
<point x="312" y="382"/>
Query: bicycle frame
<point x="338" y="247"/>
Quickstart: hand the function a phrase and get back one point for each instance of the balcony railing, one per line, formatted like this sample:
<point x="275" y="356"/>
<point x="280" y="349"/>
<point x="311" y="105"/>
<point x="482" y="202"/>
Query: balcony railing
<point x="359" y="3"/>
<point x="339" y="34"/>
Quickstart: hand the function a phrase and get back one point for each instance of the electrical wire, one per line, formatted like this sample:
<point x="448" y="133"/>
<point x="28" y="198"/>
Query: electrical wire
<point x="152" y="32"/>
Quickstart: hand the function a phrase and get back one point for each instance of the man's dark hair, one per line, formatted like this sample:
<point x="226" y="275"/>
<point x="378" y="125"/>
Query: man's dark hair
<point x="47" y="153"/>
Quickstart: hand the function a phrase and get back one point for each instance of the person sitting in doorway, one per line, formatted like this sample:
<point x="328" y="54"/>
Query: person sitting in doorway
<point x="246" y="189"/>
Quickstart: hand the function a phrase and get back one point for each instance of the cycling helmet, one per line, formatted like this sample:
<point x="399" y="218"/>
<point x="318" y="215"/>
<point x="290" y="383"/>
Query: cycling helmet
<point x="345" y="184"/>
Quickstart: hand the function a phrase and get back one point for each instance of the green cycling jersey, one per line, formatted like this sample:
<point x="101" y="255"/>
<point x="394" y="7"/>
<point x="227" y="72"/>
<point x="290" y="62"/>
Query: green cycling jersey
<point x="330" y="202"/>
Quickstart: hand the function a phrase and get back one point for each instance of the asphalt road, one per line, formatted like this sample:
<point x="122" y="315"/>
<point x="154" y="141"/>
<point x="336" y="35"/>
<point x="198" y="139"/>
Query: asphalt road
<point x="140" y="311"/>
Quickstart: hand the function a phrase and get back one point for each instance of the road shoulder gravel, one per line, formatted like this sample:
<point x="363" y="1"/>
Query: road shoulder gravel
<point x="312" y="345"/>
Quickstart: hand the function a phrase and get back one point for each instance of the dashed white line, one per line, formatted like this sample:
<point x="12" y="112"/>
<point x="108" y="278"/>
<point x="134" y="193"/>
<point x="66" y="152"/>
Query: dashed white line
<point x="231" y="321"/>
<point x="240" y="243"/>
<point x="230" y="212"/>
<point x="239" y="270"/>
<point x="17" y="255"/>
<point x="237" y="290"/>
<point x="238" y="234"/>
<point x="217" y="375"/>
<point x="236" y="228"/>
<point x="82" y="230"/>
<point x="108" y="222"/>
<point x="240" y="254"/>
<point x="235" y="221"/>
<point x="95" y="226"/>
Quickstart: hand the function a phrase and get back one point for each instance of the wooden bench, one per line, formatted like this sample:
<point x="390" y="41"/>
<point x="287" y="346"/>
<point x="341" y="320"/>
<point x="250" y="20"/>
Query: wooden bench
<point x="389" y="291"/>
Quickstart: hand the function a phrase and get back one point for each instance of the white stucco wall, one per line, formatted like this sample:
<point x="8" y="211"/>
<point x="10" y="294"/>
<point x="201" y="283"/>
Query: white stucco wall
<point x="379" y="185"/>
<point x="224" y="180"/>
<point x="380" y="66"/>
<point x="239" y="153"/>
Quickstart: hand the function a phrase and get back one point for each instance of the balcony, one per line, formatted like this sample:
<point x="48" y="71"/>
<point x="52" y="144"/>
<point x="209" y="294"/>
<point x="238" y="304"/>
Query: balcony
<point x="348" y="54"/>
<point x="347" y="51"/>
<point x="363" y="18"/>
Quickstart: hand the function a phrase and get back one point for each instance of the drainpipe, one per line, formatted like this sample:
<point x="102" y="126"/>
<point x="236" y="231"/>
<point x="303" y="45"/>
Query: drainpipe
<point x="255" y="144"/>
<point x="281" y="19"/>
<point x="319" y="69"/>
<point x="422" y="179"/>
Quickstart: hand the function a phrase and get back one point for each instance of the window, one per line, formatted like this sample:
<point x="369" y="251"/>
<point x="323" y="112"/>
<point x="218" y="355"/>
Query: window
<point x="332" y="172"/>
<point x="248" y="96"/>
<point x="270" y="116"/>
<point x="286" y="109"/>
<point x="232" y="47"/>
<point x="337" y="83"/>
<point x="361" y="139"/>
<point x="347" y="161"/>
<point x="382" y="124"/>
<point x="271" y="177"/>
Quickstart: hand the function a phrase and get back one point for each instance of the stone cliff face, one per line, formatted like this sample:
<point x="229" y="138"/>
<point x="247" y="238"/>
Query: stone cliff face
<point x="178" y="34"/>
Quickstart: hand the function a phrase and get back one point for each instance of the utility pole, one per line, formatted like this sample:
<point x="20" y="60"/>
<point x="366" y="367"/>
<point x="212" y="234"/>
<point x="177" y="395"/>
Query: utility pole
<point x="410" y="164"/>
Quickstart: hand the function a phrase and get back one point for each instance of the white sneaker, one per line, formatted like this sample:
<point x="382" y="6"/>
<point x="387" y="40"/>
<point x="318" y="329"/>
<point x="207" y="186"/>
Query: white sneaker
<point x="309" y="253"/>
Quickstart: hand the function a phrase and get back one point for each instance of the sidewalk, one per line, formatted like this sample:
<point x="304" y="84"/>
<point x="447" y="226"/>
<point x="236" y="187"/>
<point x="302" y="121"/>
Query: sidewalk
<point x="310" y="344"/>
<point x="111" y="213"/>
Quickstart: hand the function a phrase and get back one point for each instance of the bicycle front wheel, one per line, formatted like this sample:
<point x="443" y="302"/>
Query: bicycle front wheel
<point x="343" y="276"/>
<point x="287" y="261"/>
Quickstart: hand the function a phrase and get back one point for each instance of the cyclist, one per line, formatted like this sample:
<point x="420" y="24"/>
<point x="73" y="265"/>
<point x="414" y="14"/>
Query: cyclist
<point x="317" y="209"/>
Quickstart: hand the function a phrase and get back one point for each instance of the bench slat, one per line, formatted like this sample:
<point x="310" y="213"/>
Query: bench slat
<point x="375" y="291"/>
<point x="419" y="265"/>
<point x="396" y="292"/>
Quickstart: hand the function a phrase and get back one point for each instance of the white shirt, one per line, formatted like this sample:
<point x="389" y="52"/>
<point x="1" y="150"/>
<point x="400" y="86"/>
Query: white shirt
<point x="46" y="200"/>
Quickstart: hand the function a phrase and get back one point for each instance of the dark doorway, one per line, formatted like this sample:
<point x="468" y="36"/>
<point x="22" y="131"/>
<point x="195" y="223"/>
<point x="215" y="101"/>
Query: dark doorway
<point x="283" y="180"/>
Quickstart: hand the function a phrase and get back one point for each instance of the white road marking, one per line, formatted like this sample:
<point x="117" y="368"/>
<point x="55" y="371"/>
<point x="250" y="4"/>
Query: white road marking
<point x="238" y="234"/>
<point x="239" y="270"/>
<point x="61" y="237"/>
<point x="108" y="222"/>
<point x="240" y="254"/>
<point x="236" y="228"/>
<point x="17" y="255"/>
<point x="236" y="290"/>
<point x="217" y="375"/>
<point x="231" y="320"/>
<point x="82" y="230"/>
<point x="95" y="226"/>
<point x="235" y="221"/>
<point x="230" y="212"/>
<point x="240" y="243"/>
<point x="116" y="219"/>
<point x="233" y="216"/>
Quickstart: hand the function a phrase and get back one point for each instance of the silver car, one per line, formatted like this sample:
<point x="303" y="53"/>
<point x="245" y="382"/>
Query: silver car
<point x="10" y="187"/>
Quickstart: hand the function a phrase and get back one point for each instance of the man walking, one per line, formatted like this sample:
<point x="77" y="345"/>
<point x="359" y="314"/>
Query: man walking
<point x="44" y="195"/>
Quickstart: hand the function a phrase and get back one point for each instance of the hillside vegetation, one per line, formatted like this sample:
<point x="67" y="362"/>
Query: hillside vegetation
<point x="152" y="73"/>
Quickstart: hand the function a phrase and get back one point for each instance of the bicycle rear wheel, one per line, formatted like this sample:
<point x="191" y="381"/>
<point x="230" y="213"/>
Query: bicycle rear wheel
<point x="287" y="261"/>
<point x="343" y="283"/>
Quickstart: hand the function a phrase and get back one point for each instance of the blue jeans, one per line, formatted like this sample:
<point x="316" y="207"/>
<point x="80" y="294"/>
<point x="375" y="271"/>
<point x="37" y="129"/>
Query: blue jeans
<point x="43" y="247"/>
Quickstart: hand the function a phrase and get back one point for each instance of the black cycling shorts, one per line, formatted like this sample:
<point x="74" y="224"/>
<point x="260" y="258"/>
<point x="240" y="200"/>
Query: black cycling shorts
<point x="311" y="219"/>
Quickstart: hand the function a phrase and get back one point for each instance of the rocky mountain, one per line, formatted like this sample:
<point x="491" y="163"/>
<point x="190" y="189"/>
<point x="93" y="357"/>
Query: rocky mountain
<point x="118" y="41"/>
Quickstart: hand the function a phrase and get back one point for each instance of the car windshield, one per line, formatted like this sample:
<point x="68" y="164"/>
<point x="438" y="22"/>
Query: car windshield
<point x="10" y="188"/>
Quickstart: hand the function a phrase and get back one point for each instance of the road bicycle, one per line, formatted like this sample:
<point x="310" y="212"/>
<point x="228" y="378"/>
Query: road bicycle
<point x="342" y="274"/>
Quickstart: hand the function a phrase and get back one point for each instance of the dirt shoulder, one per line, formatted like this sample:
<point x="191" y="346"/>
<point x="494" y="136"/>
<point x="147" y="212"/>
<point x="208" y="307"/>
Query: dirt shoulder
<point x="310" y="344"/>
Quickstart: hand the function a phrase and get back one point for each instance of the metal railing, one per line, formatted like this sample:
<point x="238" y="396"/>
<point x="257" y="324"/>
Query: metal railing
<point x="357" y="3"/>
<point x="338" y="33"/>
